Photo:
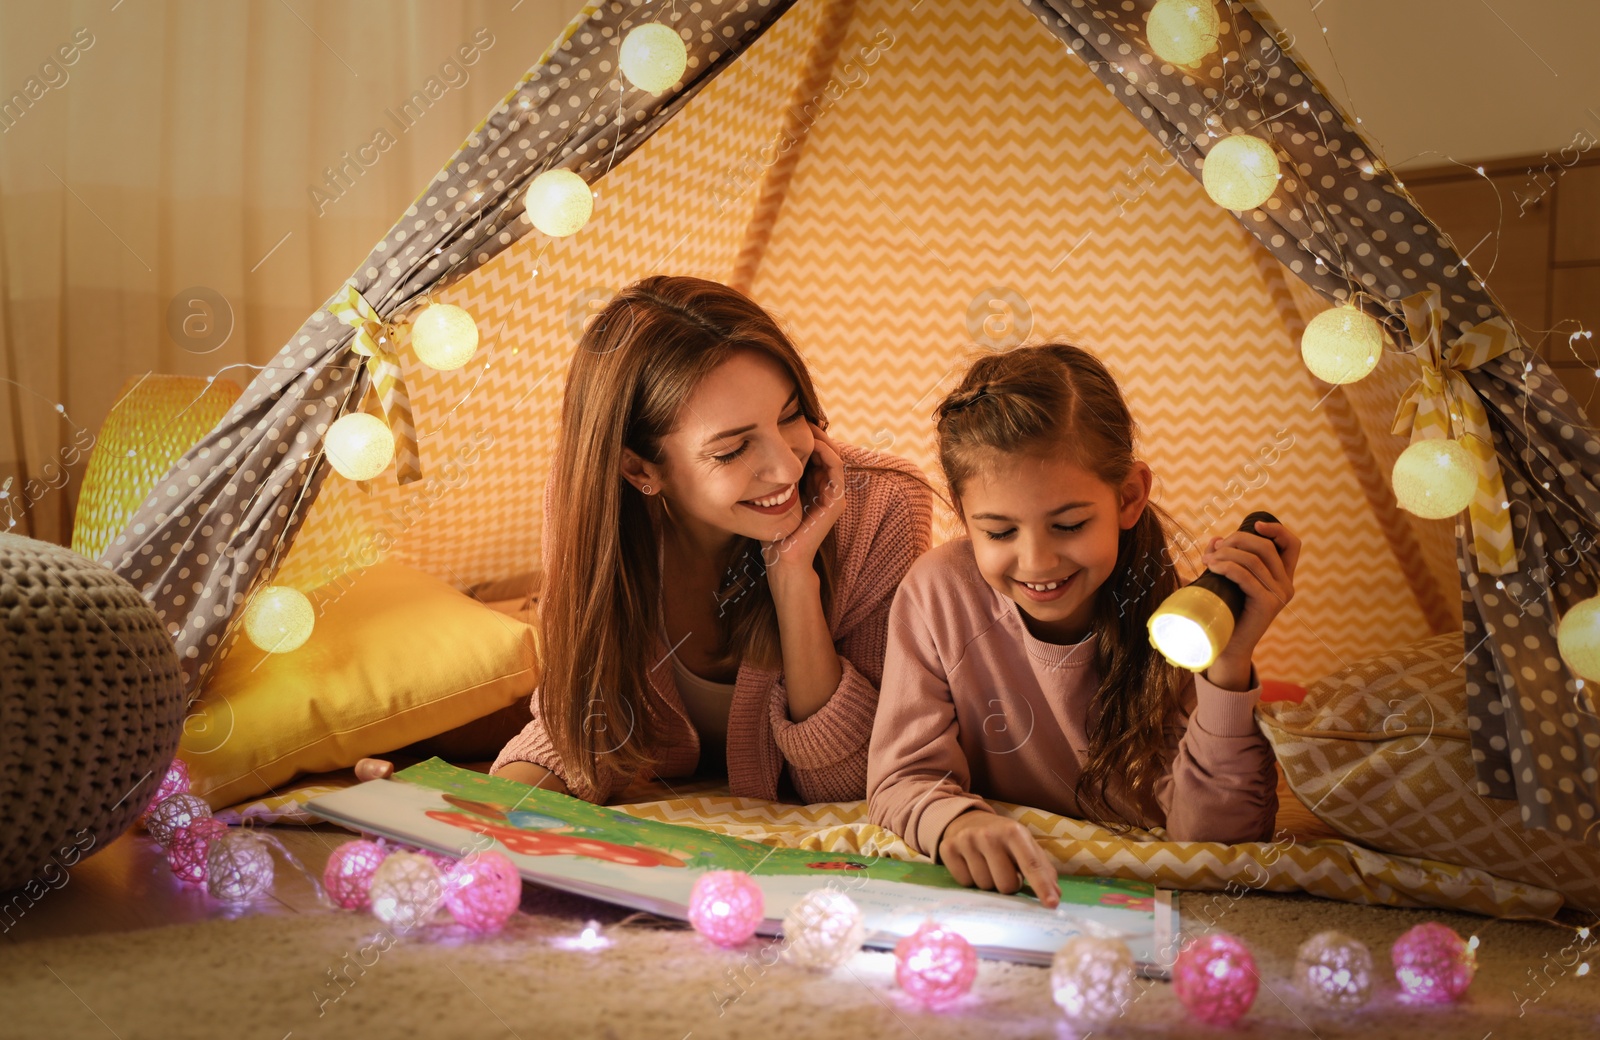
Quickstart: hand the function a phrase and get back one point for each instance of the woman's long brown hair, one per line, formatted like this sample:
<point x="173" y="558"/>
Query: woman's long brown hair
<point x="1059" y="400"/>
<point x="635" y="366"/>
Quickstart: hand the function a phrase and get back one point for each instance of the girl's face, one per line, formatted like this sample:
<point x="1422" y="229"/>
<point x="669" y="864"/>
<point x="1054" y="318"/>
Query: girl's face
<point x="732" y="465"/>
<point x="1044" y="532"/>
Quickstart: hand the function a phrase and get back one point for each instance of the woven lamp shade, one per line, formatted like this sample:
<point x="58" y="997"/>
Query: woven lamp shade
<point x="155" y="420"/>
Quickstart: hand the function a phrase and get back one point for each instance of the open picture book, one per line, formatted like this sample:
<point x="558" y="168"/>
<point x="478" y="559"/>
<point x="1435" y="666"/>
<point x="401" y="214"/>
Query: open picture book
<point x="572" y="845"/>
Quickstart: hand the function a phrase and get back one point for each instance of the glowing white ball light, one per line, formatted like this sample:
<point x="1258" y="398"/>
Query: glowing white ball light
<point x="1241" y="172"/>
<point x="174" y="812"/>
<point x="279" y="619"/>
<point x="1183" y="31"/>
<point x="1342" y="344"/>
<point x="1435" y="479"/>
<point x="1334" y="970"/>
<point x="653" y="57"/>
<point x="359" y="446"/>
<point x="824" y="929"/>
<point x="444" y="336"/>
<point x="406" y="889"/>
<point x="558" y="202"/>
<point x="1092" y="979"/>
<point x="1578" y="638"/>
<point x="238" y="866"/>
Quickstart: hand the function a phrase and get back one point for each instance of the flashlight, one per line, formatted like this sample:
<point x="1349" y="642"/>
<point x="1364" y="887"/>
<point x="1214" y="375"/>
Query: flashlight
<point x="1193" y="625"/>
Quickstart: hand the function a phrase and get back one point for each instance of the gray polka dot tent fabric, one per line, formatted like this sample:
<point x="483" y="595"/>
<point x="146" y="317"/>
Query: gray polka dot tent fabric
<point x="1338" y="221"/>
<point x="213" y="530"/>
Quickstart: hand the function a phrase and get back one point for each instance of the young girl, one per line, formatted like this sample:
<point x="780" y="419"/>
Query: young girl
<point x="718" y="572"/>
<point x="1019" y="665"/>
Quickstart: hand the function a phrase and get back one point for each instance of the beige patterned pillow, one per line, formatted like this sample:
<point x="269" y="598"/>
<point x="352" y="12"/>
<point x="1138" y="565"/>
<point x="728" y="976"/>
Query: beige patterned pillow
<point x="1380" y="752"/>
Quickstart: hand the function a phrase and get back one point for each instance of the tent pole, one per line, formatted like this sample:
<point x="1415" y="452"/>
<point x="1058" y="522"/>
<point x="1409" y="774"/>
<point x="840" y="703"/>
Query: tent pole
<point x="808" y="92"/>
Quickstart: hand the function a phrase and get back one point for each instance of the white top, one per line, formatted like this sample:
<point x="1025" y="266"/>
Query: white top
<point x="706" y="702"/>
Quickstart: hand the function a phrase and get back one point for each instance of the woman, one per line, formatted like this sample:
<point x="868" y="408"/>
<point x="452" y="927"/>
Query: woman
<point x="718" y="572"/>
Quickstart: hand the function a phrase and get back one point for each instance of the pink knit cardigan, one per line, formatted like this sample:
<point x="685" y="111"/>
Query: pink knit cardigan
<point x="885" y="526"/>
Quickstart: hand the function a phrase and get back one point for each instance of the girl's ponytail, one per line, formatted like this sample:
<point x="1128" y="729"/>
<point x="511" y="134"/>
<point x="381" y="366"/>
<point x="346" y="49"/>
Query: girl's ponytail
<point x="1139" y="689"/>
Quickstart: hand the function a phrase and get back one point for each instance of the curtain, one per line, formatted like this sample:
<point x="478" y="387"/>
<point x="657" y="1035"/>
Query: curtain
<point x="1343" y="223"/>
<point x="182" y="182"/>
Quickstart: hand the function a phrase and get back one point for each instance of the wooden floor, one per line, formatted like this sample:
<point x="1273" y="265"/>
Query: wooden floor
<point x="128" y="885"/>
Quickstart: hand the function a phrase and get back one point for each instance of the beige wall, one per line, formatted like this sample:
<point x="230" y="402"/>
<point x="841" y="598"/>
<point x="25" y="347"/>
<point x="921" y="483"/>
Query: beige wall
<point x="1465" y="79"/>
<point x="175" y="145"/>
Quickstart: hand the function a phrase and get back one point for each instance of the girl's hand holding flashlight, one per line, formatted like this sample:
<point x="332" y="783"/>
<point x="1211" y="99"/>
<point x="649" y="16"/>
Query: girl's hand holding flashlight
<point x="1262" y="565"/>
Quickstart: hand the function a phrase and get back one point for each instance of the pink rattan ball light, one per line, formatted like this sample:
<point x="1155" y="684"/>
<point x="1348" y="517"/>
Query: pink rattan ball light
<point x="482" y="891"/>
<point x="186" y="852"/>
<point x="935" y="964"/>
<point x="348" y="875"/>
<point x="1432" y="964"/>
<point x="1215" y="979"/>
<point x="726" y="906"/>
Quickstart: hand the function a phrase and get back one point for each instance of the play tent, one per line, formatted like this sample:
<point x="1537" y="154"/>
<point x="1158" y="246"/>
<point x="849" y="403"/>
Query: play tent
<point x="904" y="184"/>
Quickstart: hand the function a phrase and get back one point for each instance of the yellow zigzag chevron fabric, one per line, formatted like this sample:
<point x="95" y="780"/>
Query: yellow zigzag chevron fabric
<point x="945" y="200"/>
<point x="1334" y="869"/>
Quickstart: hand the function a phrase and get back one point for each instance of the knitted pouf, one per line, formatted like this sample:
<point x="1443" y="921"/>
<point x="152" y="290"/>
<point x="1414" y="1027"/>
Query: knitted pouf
<point x="91" y="709"/>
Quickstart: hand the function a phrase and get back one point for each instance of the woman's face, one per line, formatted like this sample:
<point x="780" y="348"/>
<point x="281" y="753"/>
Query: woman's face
<point x="1044" y="532"/>
<point x="733" y="463"/>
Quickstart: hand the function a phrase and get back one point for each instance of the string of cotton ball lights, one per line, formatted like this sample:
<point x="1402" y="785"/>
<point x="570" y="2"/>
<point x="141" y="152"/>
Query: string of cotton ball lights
<point x="1215" y="979"/>
<point x="279" y="619"/>
<point x="239" y="866"/>
<point x="1342" y="344"/>
<point x="935" y="964"/>
<point x="187" y="854"/>
<point x="726" y="906"/>
<point x="483" y="890"/>
<point x="173" y="812"/>
<point x="182" y="824"/>
<point x="174" y="781"/>
<point x="1183" y="31"/>
<point x="1091" y="980"/>
<point x="360" y="446"/>
<point x="1241" y="171"/>
<point x="1578" y="638"/>
<point x="1433" y="964"/>
<point x="347" y="877"/>
<point x="405" y="890"/>
<point x="1435" y="478"/>
<point x="824" y="929"/>
<point x="403" y="887"/>
<point x="1334" y="970"/>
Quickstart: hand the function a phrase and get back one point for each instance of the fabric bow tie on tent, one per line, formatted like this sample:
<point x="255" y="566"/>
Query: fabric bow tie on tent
<point x="1442" y="403"/>
<point x="373" y="339"/>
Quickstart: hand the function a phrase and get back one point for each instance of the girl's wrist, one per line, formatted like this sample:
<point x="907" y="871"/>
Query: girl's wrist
<point x="1231" y="673"/>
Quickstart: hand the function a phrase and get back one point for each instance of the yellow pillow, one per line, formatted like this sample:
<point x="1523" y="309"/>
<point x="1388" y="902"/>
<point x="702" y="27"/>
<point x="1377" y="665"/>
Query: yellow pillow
<point x="398" y="657"/>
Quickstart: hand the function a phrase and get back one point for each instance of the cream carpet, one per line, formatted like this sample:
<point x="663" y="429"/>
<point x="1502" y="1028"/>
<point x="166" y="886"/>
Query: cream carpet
<point x="267" y="977"/>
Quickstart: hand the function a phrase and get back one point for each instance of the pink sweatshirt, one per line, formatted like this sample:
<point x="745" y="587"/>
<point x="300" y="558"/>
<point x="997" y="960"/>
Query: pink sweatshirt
<point x="973" y="704"/>
<point x="885" y="526"/>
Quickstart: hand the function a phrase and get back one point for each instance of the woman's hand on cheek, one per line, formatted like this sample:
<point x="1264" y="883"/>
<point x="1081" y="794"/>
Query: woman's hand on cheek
<point x="989" y="851"/>
<point x="1262" y="565"/>
<point x="821" y="504"/>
